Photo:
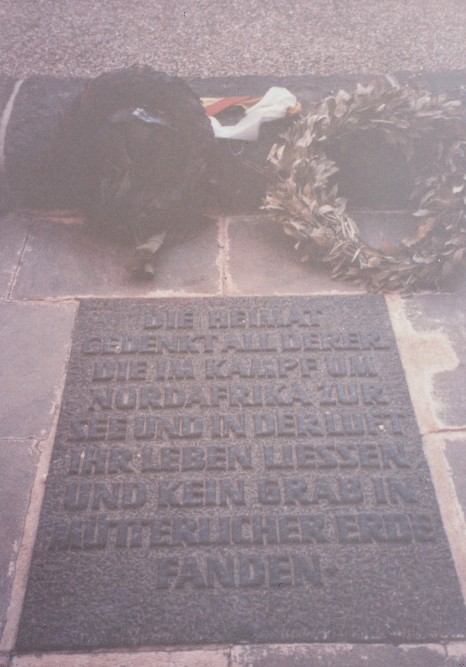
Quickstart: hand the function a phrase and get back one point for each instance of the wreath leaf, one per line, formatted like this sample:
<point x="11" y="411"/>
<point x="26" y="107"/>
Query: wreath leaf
<point x="304" y="196"/>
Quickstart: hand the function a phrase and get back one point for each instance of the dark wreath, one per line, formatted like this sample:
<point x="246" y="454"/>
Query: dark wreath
<point x="305" y="197"/>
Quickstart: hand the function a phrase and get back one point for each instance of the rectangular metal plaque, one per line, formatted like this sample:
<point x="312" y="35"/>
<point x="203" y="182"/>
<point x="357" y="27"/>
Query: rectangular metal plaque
<point x="238" y="470"/>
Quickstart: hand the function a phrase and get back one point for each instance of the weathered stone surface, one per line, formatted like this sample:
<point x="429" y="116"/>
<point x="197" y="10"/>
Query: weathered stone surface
<point x="231" y="470"/>
<point x="261" y="656"/>
<point x="448" y="497"/>
<point x="262" y="261"/>
<point x="6" y="86"/>
<point x="33" y="345"/>
<point x="18" y="460"/>
<point x="457" y="653"/>
<point x="13" y="233"/>
<point x="68" y="260"/>
<point x="379" y="226"/>
<point x="194" y="658"/>
<point x="444" y="314"/>
<point x="455" y="452"/>
<point x="340" y="656"/>
<point x="33" y="124"/>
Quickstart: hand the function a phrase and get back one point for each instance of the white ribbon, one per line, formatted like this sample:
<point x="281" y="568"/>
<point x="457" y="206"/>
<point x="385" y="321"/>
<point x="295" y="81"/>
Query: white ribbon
<point x="272" y="106"/>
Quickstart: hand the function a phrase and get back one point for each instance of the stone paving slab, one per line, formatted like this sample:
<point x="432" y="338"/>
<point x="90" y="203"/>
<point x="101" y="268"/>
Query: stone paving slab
<point x="62" y="261"/>
<point x="445" y="313"/>
<point x="292" y="655"/>
<point x="33" y="348"/>
<point x="195" y="658"/>
<point x="457" y="651"/>
<point x="261" y="260"/>
<point x="430" y="331"/>
<point x="335" y="655"/>
<point x="18" y="460"/>
<point x="455" y="453"/>
<point x="13" y="232"/>
<point x="379" y="226"/>
<point x="22" y="555"/>
<point x="447" y="458"/>
<point x="36" y="113"/>
<point x="452" y="507"/>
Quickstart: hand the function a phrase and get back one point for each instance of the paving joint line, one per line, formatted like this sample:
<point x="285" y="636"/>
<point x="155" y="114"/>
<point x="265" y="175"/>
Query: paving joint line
<point x="445" y="431"/>
<point x="5" y="119"/>
<point x="27" y="541"/>
<point x="228" y="285"/>
<point x="27" y="438"/>
<point x="222" y="259"/>
<point x="37" y="301"/>
<point x="15" y="275"/>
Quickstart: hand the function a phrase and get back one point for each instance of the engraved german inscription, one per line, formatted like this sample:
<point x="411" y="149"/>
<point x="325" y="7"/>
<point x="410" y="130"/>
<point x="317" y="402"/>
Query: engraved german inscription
<point x="240" y="469"/>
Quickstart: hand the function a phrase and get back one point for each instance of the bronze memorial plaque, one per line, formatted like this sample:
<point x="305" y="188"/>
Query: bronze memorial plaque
<point x="238" y="470"/>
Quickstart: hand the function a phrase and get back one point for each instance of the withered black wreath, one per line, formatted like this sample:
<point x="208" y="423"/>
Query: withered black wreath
<point x="136" y="149"/>
<point x="305" y="195"/>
